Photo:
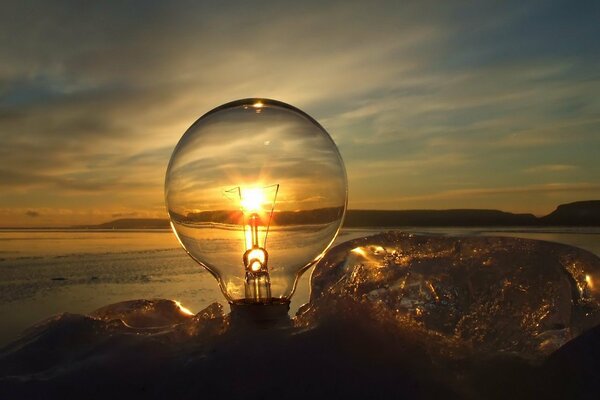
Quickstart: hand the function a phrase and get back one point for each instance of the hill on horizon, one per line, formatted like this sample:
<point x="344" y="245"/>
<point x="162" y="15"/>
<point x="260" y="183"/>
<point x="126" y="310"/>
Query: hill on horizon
<point x="580" y="213"/>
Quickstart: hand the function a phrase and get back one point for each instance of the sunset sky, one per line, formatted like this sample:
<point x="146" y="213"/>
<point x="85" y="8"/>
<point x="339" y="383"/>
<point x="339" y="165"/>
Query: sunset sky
<point x="433" y="104"/>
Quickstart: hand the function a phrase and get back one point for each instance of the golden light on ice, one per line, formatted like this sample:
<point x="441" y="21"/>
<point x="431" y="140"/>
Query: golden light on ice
<point x="589" y="281"/>
<point x="378" y="249"/>
<point x="183" y="309"/>
<point x="359" y="251"/>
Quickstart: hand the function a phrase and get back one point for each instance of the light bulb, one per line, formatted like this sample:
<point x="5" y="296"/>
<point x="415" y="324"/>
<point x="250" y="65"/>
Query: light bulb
<point x="256" y="192"/>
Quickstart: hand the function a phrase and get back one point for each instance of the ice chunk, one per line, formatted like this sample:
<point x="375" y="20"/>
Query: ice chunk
<point x="145" y="313"/>
<point x="56" y="342"/>
<point x="496" y="293"/>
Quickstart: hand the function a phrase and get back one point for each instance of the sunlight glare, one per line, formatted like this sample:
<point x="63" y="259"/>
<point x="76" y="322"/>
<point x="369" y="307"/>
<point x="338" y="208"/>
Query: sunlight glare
<point x="359" y="250"/>
<point x="183" y="309"/>
<point x="252" y="199"/>
<point x="257" y="254"/>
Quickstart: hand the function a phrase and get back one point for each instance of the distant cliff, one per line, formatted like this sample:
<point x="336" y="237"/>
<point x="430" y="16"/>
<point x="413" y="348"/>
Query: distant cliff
<point x="131" y="223"/>
<point x="359" y="218"/>
<point x="580" y="213"/>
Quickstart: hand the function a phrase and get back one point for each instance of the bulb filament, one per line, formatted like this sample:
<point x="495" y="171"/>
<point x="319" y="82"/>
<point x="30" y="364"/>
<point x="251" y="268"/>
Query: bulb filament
<point x="257" y="221"/>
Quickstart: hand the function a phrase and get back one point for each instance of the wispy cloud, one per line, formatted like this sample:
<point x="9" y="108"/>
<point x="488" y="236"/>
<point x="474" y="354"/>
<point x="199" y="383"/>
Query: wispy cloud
<point x="425" y="95"/>
<point x="551" y="168"/>
<point x="544" y="188"/>
<point x="527" y="198"/>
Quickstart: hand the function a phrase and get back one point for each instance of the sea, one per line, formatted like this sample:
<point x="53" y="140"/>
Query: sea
<point x="47" y="272"/>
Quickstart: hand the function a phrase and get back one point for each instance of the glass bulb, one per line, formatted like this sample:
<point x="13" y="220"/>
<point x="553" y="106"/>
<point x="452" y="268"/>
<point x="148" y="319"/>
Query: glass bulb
<point x="256" y="192"/>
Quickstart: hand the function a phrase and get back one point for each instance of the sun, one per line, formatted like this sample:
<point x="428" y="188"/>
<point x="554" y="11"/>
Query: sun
<point x="252" y="199"/>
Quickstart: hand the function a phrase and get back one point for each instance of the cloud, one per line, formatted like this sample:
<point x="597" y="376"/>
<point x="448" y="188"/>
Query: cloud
<point x="94" y="98"/>
<point x="529" y="195"/>
<point x="551" y="168"/>
<point x="543" y="188"/>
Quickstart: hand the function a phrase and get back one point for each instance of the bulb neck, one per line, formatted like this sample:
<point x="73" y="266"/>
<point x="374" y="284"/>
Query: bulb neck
<point x="270" y="313"/>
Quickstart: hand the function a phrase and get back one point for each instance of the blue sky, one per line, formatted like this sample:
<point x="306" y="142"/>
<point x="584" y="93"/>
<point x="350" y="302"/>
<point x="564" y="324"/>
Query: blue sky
<point x="433" y="104"/>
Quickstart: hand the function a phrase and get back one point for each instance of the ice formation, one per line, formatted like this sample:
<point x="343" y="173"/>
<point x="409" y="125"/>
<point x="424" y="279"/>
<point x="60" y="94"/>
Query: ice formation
<point x="391" y="316"/>
<point x="497" y="294"/>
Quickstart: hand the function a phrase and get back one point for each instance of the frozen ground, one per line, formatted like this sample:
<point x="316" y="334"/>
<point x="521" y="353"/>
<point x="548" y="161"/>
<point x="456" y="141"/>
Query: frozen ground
<point x="391" y="316"/>
<point x="48" y="272"/>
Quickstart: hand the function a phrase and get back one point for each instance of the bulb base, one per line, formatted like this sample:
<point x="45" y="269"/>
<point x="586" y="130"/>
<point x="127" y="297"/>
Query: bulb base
<point x="271" y="313"/>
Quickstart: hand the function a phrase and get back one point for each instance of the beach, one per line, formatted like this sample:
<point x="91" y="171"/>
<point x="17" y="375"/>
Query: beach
<point x="47" y="272"/>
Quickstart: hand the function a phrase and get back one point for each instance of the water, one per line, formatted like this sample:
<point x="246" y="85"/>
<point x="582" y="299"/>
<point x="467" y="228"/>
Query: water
<point x="48" y="272"/>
